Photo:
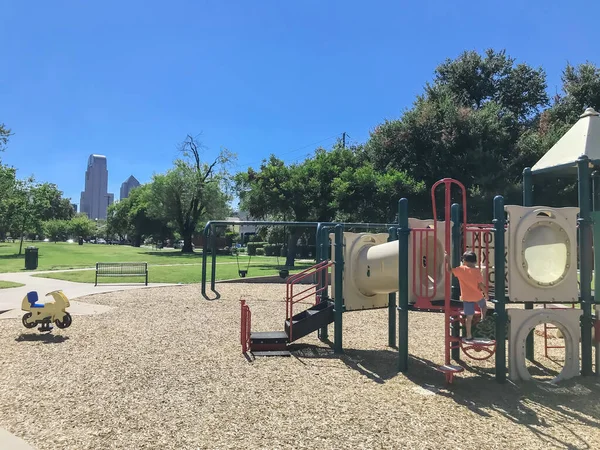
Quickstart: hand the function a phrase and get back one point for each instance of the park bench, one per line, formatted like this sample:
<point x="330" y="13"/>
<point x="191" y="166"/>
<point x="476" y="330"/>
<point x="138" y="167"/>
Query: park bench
<point x="136" y="269"/>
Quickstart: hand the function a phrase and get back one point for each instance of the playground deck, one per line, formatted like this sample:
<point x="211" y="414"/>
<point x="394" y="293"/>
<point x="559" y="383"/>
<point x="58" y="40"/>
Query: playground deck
<point x="164" y="369"/>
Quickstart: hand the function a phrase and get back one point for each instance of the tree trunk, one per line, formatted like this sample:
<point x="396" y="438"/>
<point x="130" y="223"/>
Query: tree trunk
<point x="292" y="243"/>
<point x="137" y="241"/>
<point x="187" y="243"/>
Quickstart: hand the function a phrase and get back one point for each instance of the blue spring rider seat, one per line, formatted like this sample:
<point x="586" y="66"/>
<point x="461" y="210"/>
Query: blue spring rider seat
<point x="32" y="298"/>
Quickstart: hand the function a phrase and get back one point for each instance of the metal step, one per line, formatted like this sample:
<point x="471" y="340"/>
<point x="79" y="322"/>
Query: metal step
<point x="310" y="320"/>
<point x="272" y="353"/>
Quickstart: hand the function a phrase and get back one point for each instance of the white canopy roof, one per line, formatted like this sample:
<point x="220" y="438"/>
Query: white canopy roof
<point x="582" y="139"/>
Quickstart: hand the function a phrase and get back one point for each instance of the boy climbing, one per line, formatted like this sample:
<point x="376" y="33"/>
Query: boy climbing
<point x="472" y="288"/>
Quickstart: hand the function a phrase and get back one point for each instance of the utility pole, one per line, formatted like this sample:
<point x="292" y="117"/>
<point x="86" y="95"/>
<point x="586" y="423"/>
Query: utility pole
<point x="344" y="139"/>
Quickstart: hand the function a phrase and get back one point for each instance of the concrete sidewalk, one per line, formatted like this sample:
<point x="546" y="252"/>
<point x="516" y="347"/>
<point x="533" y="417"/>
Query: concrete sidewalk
<point x="9" y="441"/>
<point x="11" y="298"/>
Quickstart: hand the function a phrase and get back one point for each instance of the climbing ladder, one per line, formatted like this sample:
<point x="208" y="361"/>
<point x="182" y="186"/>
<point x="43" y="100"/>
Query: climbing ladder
<point x="453" y="315"/>
<point x="296" y="326"/>
<point x="548" y="327"/>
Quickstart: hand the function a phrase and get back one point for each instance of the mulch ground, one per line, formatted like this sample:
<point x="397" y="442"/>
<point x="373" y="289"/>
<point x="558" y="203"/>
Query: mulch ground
<point x="164" y="369"/>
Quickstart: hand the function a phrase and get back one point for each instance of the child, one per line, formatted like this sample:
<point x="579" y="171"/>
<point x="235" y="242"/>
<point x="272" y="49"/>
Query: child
<point x="471" y="287"/>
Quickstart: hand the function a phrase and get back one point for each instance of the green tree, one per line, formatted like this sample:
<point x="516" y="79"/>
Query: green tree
<point x="192" y="191"/>
<point x="365" y="195"/>
<point x="47" y="203"/>
<point x="5" y="133"/>
<point x="57" y="230"/>
<point x="81" y="226"/>
<point x="467" y="126"/>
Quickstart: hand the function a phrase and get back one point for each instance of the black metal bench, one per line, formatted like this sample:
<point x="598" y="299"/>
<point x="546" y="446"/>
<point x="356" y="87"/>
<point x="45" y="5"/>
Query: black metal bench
<point x="139" y="269"/>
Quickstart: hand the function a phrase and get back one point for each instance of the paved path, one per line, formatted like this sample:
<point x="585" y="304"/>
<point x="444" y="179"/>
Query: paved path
<point x="11" y="298"/>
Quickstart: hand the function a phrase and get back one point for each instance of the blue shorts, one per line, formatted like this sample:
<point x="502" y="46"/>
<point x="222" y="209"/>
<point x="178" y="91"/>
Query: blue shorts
<point x="469" y="307"/>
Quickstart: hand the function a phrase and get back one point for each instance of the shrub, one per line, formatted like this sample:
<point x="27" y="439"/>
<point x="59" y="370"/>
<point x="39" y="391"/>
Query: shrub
<point x="260" y="251"/>
<point x="273" y="249"/>
<point x="253" y="246"/>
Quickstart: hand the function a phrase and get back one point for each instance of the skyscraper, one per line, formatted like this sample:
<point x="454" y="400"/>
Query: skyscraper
<point x="95" y="198"/>
<point x="128" y="185"/>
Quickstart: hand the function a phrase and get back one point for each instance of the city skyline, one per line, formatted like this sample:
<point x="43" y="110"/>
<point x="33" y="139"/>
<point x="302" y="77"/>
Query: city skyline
<point x="95" y="198"/>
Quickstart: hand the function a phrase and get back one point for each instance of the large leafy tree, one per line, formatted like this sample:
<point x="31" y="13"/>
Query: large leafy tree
<point x="137" y="217"/>
<point x="193" y="190"/>
<point x="466" y="125"/>
<point x="5" y="133"/>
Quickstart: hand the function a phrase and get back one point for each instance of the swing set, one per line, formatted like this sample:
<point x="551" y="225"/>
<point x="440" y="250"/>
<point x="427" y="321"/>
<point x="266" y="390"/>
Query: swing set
<point x="283" y="270"/>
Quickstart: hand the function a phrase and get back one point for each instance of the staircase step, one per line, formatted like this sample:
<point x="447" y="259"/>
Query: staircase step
<point x="310" y="320"/>
<point x="268" y="337"/>
<point x="272" y="353"/>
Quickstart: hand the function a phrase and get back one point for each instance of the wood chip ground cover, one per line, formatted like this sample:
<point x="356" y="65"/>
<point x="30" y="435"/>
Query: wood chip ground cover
<point x="164" y="369"/>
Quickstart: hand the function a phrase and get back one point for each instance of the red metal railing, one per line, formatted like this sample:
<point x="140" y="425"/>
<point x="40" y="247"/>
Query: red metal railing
<point x="320" y="285"/>
<point x="478" y="239"/>
<point x="246" y="324"/>
<point x="447" y="183"/>
<point x="548" y="327"/>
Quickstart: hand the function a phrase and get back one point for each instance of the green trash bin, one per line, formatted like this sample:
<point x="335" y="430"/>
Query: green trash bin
<point x="31" y="258"/>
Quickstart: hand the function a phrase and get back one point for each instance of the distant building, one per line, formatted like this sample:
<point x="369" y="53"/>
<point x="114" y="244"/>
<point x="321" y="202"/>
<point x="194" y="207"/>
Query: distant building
<point x="244" y="230"/>
<point x="127" y="186"/>
<point x="95" y="198"/>
<point x="74" y="205"/>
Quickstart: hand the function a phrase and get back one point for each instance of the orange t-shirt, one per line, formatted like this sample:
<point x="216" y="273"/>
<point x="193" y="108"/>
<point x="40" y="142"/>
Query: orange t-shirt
<point x="469" y="279"/>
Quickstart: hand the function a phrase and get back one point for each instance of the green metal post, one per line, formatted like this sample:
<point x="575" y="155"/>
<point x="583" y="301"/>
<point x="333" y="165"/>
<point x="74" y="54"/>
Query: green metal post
<point x="456" y="252"/>
<point x="585" y="267"/>
<point x="403" y="234"/>
<point x="499" y="287"/>
<point x="528" y="201"/>
<point x="323" y="255"/>
<point x="213" y="255"/>
<point x="595" y="189"/>
<point x="393" y="235"/>
<point x="204" y="260"/>
<point x="338" y="307"/>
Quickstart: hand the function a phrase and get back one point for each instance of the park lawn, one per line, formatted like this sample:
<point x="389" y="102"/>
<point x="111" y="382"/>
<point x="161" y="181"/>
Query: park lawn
<point x="55" y="256"/>
<point x="185" y="274"/>
<point x="9" y="284"/>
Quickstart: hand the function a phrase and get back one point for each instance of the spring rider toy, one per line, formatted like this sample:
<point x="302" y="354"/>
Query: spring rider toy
<point x="45" y="314"/>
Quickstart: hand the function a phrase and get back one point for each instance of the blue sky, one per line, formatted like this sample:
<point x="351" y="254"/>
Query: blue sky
<point x="130" y="79"/>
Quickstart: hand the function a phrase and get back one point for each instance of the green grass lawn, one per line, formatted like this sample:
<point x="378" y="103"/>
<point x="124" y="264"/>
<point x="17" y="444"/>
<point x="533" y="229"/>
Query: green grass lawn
<point x="177" y="274"/>
<point x="53" y="256"/>
<point x="9" y="284"/>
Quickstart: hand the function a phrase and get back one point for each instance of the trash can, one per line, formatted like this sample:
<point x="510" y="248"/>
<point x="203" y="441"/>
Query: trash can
<point x="80" y="240"/>
<point x="31" y="258"/>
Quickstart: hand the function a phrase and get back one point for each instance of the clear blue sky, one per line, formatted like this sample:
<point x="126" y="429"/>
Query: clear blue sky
<point x="130" y="79"/>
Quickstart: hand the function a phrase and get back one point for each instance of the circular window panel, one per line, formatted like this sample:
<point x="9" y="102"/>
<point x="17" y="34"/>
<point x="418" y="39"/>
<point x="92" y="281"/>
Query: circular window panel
<point x="545" y="253"/>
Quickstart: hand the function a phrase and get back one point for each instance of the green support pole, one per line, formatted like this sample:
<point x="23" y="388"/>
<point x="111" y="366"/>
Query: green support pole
<point x="403" y="234"/>
<point x="585" y="267"/>
<point x="393" y="235"/>
<point x="338" y="308"/>
<point x="528" y="201"/>
<point x="213" y="255"/>
<point x="596" y="232"/>
<point x="204" y="261"/>
<point x="499" y="287"/>
<point x="323" y="255"/>
<point x="455" y="255"/>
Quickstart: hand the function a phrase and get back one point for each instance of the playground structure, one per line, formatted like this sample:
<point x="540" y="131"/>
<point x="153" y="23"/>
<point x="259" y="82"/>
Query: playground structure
<point x="531" y="258"/>
<point x="44" y="314"/>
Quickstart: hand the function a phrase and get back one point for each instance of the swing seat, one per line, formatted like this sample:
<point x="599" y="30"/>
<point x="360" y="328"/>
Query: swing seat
<point x="242" y="273"/>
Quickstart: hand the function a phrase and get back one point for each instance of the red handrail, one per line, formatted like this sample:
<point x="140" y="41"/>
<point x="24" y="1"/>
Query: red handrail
<point x="246" y="324"/>
<point x="447" y="182"/>
<point x="292" y="298"/>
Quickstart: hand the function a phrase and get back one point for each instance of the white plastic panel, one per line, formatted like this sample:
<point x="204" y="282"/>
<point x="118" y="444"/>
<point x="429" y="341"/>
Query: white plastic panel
<point x="522" y="321"/>
<point x="542" y="256"/>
